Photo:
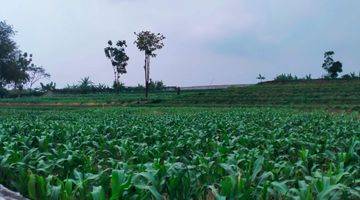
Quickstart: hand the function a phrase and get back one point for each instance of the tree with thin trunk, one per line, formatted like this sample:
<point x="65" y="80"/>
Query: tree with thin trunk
<point x="261" y="78"/>
<point x="118" y="58"/>
<point x="333" y="68"/>
<point x="148" y="42"/>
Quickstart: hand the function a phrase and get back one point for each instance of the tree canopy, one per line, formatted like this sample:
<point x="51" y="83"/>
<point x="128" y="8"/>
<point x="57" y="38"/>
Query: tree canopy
<point x="16" y="67"/>
<point x="333" y="68"/>
<point x="118" y="58"/>
<point x="149" y="42"/>
<point x="7" y="53"/>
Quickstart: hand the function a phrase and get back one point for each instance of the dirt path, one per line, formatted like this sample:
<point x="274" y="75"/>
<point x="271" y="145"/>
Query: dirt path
<point x="56" y="104"/>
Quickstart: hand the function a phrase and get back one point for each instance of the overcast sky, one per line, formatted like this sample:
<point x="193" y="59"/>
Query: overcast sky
<point x="208" y="41"/>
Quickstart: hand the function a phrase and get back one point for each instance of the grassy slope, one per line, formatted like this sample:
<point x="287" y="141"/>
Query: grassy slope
<point x="334" y="93"/>
<point x="338" y="94"/>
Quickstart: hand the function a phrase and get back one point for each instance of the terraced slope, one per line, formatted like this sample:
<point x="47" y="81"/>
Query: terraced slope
<point x="335" y="93"/>
<point x="338" y="94"/>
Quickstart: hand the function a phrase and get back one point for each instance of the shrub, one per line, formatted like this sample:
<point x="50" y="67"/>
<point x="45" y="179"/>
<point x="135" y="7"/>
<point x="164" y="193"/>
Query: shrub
<point x="351" y="76"/>
<point x="285" y="78"/>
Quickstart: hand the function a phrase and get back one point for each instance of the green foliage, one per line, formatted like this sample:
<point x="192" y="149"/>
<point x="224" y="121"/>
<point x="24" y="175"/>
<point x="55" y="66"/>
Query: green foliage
<point x="179" y="153"/>
<point x="285" y="78"/>
<point x="261" y="78"/>
<point x="339" y="94"/>
<point x="328" y="60"/>
<point x="156" y="85"/>
<point x="149" y="42"/>
<point x="98" y="193"/>
<point x="7" y="52"/>
<point x="333" y="68"/>
<point x="48" y="86"/>
<point x="118" y="58"/>
<point x="85" y="83"/>
<point x="84" y="86"/>
<point x="16" y="67"/>
<point x="351" y="76"/>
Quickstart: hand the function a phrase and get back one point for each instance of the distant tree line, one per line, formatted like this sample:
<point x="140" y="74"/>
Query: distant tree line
<point x="86" y="86"/>
<point x="19" y="75"/>
<point x="17" y="70"/>
<point x="290" y="77"/>
<point x="332" y="67"/>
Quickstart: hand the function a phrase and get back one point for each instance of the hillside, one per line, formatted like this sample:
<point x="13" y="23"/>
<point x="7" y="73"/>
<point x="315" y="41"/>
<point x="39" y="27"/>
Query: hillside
<point x="335" y="94"/>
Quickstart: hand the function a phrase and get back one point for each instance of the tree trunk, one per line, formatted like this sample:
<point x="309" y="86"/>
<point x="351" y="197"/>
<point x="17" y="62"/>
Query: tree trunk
<point x="115" y="76"/>
<point x="118" y="82"/>
<point x="147" y="74"/>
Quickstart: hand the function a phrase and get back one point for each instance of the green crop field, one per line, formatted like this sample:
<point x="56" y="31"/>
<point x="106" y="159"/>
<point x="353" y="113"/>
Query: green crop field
<point x="188" y="100"/>
<point x="179" y="153"/>
<point x="339" y="94"/>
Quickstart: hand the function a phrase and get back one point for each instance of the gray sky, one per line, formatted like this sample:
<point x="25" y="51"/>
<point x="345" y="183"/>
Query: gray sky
<point x="208" y="41"/>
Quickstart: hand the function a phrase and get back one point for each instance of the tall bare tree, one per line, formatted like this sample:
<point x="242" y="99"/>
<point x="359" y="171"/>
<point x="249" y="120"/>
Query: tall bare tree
<point x="148" y="42"/>
<point x="118" y="58"/>
<point x="35" y="74"/>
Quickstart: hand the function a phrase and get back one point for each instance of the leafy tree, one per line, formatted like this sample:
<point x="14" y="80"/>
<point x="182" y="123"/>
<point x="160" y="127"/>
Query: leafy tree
<point x="148" y="42"/>
<point x="7" y="45"/>
<point x="19" y="70"/>
<point x="118" y="58"/>
<point x="7" y="53"/>
<point x="15" y="67"/>
<point x="156" y="85"/>
<point x="261" y="78"/>
<point x="333" y="68"/>
<point x="13" y="63"/>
